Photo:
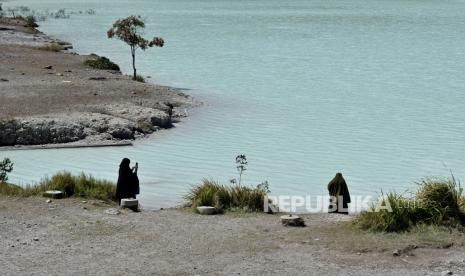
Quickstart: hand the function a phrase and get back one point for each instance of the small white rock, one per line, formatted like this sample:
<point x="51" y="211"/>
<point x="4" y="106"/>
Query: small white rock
<point x="48" y="201"/>
<point x="53" y="194"/>
<point x="112" y="211"/>
<point x="206" y="210"/>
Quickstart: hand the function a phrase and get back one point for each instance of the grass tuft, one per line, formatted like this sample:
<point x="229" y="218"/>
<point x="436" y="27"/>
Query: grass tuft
<point x="438" y="202"/>
<point x="101" y="63"/>
<point x="82" y="185"/>
<point x="139" y="78"/>
<point x="237" y="197"/>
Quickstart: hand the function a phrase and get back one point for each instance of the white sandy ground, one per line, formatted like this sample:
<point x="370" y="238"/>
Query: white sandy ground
<point x="69" y="237"/>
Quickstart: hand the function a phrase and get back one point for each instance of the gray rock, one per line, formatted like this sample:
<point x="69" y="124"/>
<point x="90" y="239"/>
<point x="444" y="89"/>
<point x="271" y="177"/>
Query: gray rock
<point x="112" y="122"/>
<point x="112" y="211"/>
<point x="161" y="119"/>
<point x="122" y="133"/>
<point x="206" y="210"/>
<point x="446" y="272"/>
<point x="37" y="131"/>
<point x="396" y="253"/>
<point x="130" y="203"/>
<point x="292" y="220"/>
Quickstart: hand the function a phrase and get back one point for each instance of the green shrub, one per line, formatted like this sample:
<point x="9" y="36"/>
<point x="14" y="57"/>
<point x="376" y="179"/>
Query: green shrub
<point x="6" y="166"/>
<point x="440" y="202"/>
<point x="396" y="219"/>
<point x="101" y="63"/>
<point x="81" y="185"/>
<point x="211" y="193"/>
<point x="437" y="202"/>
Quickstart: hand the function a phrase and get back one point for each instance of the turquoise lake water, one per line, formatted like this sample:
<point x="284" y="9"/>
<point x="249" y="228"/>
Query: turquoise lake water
<point x="374" y="89"/>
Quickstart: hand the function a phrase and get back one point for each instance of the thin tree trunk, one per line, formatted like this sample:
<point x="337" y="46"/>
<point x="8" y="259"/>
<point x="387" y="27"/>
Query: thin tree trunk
<point x="133" y="53"/>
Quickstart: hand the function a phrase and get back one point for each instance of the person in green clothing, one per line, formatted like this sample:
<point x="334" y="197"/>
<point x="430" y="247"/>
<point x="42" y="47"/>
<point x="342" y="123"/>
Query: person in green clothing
<point x="340" y="196"/>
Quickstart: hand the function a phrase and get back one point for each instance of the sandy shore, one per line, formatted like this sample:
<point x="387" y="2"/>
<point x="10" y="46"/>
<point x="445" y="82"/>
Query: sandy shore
<point x="69" y="237"/>
<point x="50" y="97"/>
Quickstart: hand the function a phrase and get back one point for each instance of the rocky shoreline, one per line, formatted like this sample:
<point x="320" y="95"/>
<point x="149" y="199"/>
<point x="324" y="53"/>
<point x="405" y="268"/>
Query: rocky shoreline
<point x="51" y="99"/>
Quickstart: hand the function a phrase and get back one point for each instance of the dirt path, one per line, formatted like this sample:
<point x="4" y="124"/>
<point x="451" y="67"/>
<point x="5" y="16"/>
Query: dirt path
<point x="68" y="237"/>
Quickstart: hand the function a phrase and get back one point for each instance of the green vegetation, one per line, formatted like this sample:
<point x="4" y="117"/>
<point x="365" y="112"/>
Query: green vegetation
<point x="235" y="197"/>
<point x="438" y="202"/>
<point x="130" y="31"/>
<point x="6" y="166"/>
<point x="81" y="185"/>
<point x="101" y="63"/>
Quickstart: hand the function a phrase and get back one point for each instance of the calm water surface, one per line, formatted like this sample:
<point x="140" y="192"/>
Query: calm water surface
<point x="374" y="89"/>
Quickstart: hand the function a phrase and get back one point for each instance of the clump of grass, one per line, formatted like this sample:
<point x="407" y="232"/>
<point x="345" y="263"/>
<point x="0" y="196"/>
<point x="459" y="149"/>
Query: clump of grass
<point x="101" y="63"/>
<point x="438" y="202"/>
<point x="139" y="78"/>
<point x="222" y="197"/>
<point x="396" y="219"/>
<point x="52" y="47"/>
<point x="81" y="185"/>
<point x="11" y="190"/>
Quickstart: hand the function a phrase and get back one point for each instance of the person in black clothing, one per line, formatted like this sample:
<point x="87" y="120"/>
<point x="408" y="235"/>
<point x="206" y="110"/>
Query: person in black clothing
<point x="340" y="192"/>
<point x="128" y="182"/>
